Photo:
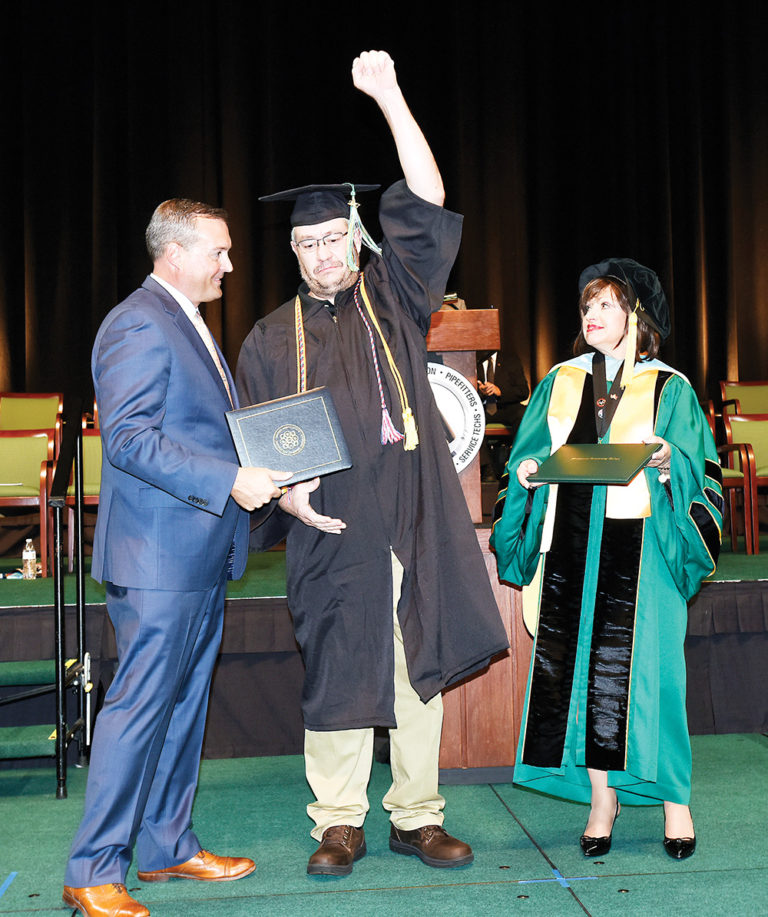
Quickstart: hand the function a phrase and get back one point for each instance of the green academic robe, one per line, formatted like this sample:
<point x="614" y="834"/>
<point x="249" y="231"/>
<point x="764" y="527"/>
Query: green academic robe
<point x="610" y="571"/>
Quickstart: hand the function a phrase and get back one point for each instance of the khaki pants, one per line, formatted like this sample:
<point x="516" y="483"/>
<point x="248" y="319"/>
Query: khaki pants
<point x="338" y="764"/>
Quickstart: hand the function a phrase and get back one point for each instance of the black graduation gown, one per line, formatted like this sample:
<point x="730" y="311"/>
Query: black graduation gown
<point x="340" y="586"/>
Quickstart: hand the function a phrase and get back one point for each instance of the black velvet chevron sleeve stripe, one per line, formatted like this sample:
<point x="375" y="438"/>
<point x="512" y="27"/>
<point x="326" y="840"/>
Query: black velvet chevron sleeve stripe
<point x="498" y="507"/>
<point x="707" y="517"/>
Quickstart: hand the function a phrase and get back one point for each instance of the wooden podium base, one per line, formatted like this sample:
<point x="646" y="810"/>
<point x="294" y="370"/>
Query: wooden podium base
<point x="483" y="714"/>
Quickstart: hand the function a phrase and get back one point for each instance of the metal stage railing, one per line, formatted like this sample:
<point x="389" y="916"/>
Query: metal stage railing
<point x="76" y="675"/>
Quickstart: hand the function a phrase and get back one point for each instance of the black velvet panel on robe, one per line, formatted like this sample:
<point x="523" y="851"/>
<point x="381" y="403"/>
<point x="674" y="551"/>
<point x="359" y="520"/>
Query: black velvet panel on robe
<point x="558" y="630"/>
<point x="612" y="638"/>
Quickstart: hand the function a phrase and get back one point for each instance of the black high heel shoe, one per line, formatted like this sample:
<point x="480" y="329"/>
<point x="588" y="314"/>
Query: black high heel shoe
<point x="679" y="848"/>
<point x="599" y="846"/>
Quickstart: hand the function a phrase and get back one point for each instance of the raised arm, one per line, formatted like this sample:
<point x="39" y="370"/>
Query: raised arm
<point x="373" y="73"/>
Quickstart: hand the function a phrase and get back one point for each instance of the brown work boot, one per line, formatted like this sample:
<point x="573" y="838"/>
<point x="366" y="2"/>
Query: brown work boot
<point x="340" y="847"/>
<point x="432" y="845"/>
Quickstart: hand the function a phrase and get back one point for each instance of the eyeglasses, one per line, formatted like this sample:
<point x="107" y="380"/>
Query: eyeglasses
<point x="331" y="240"/>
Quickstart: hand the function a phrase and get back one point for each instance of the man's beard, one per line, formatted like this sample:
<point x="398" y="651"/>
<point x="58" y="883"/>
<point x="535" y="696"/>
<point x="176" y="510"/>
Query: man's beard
<point x="325" y="291"/>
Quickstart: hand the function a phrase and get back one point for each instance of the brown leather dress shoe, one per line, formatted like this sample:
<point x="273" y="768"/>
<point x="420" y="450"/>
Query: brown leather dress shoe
<point x="110" y="900"/>
<point x="432" y="845"/>
<point x="340" y="847"/>
<point x="204" y="865"/>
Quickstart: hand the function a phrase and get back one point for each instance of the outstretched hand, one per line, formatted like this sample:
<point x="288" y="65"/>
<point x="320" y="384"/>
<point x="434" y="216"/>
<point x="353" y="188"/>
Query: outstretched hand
<point x="373" y="73"/>
<point x="296" y="502"/>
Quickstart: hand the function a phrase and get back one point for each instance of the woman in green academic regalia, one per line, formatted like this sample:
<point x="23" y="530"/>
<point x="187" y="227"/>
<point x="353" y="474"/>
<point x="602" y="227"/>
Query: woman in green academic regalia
<point x="609" y="569"/>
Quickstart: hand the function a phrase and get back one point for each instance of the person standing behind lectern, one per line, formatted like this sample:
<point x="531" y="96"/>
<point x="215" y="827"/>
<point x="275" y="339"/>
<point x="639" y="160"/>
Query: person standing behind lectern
<point x="503" y="387"/>
<point x="390" y="596"/>
<point x="172" y="528"/>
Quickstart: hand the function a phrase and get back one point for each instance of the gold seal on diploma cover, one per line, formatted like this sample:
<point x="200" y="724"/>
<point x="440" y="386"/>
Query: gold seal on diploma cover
<point x="289" y="439"/>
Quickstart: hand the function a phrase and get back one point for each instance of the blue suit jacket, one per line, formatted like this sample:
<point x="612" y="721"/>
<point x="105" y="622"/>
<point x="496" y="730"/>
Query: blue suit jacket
<point x="166" y="518"/>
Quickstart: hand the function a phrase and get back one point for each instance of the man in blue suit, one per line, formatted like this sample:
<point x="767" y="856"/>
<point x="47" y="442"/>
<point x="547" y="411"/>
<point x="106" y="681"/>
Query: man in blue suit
<point x="172" y="528"/>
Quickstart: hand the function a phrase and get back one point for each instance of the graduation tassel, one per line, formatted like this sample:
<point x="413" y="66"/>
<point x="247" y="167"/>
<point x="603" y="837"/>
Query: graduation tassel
<point x="629" y="356"/>
<point x="355" y="223"/>
<point x="389" y="433"/>
<point x="411" y="433"/>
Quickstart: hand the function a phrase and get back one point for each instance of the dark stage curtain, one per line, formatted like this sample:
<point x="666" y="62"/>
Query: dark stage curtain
<point x="565" y="134"/>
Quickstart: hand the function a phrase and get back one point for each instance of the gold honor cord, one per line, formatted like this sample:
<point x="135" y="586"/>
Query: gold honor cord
<point x="409" y="421"/>
<point x="301" y="353"/>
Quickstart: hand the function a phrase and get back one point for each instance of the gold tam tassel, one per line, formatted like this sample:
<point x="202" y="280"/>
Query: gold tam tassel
<point x="411" y="434"/>
<point x="629" y="356"/>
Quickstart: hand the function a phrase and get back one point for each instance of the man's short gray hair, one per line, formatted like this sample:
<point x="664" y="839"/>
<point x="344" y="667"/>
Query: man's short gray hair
<point x="175" y="221"/>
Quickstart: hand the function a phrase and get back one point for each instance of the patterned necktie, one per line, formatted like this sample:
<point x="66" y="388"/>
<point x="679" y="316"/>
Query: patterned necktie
<point x="490" y="405"/>
<point x="207" y="339"/>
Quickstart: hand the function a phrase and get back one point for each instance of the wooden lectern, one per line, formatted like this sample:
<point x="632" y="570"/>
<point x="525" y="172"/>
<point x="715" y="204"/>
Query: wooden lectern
<point x="456" y="336"/>
<point x="482" y="714"/>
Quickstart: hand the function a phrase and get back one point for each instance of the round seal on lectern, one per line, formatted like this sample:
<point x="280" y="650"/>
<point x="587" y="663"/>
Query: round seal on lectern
<point x="289" y="439"/>
<point x="462" y="411"/>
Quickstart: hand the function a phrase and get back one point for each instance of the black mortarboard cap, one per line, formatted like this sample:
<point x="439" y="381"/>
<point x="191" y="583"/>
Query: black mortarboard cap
<point x="318" y="203"/>
<point x="644" y="286"/>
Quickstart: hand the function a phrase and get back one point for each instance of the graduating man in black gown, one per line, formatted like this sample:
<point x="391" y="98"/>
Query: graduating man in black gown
<point x="386" y="583"/>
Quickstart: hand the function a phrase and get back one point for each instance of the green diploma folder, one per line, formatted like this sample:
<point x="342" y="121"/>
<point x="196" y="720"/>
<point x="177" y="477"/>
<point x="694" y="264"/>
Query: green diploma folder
<point x="594" y="463"/>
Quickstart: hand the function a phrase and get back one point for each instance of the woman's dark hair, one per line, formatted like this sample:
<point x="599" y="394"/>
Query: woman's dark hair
<point x="648" y="339"/>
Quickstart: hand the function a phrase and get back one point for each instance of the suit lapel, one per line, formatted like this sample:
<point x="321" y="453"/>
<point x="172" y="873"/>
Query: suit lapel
<point x="190" y="332"/>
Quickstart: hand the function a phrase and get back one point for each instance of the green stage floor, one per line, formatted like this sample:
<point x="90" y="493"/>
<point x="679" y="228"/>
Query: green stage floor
<point x="527" y="858"/>
<point x="265" y="578"/>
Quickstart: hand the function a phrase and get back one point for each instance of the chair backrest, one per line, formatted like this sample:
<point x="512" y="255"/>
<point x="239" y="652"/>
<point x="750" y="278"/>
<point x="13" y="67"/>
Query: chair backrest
<point x="21" y="454"/>
<point x="752" y="429"/>
<point x="709" y="412"/>
<point x="748" y="397"/>
<point x="90" y="421"/>
<point x="30" y="410"/>
<point x="91" y="464"/>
